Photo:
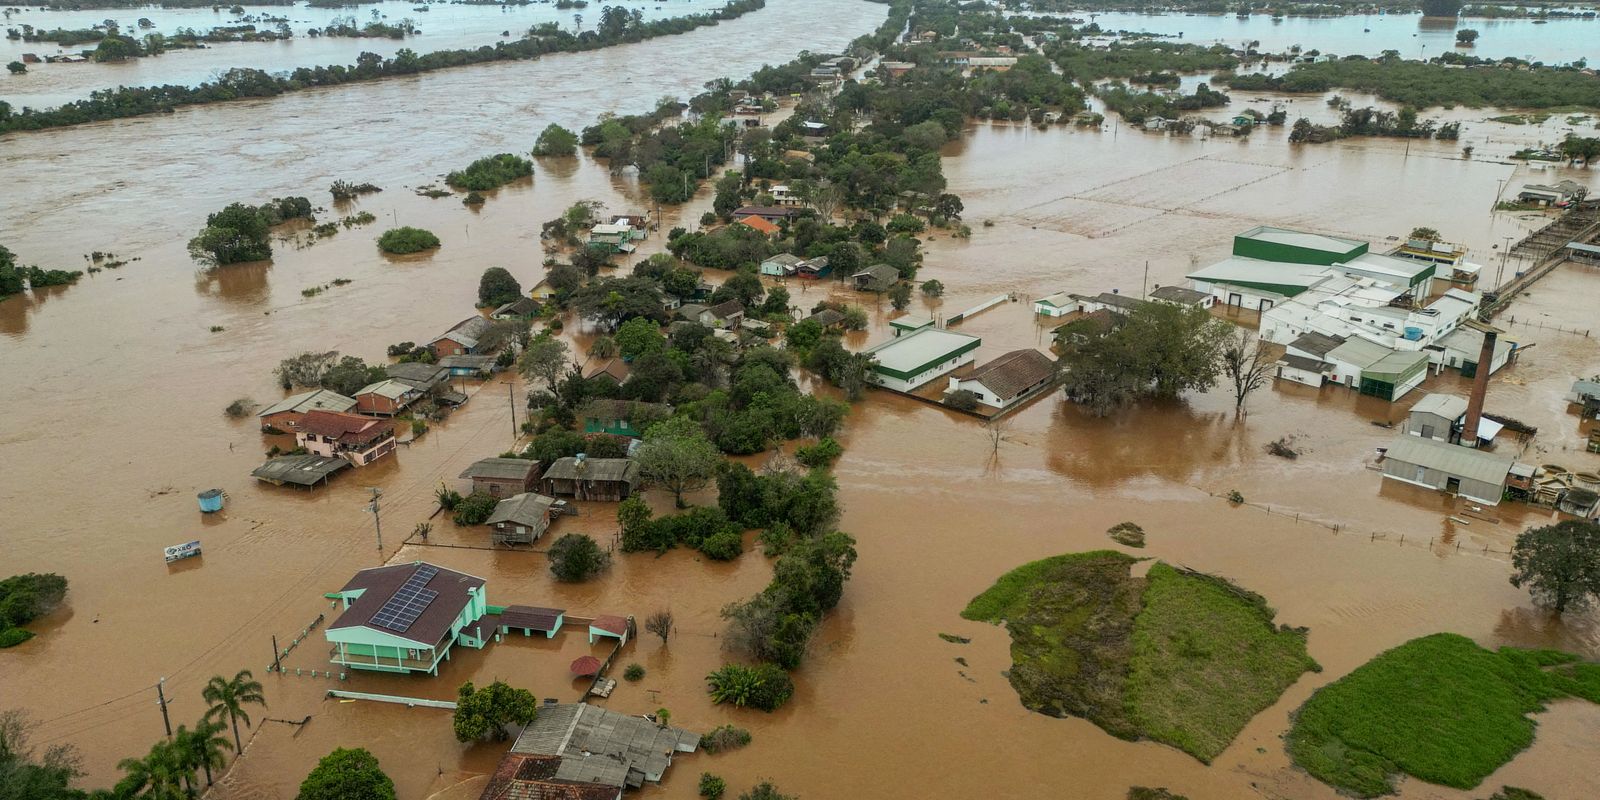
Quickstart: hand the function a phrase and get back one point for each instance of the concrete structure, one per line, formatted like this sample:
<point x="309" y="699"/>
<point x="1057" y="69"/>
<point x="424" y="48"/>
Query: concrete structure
<point x="597" y="745"/>
<point x="1270" y="265"/>
<point x="591" y="478"/>
<point x="285" y="415"/>
<point x="1435" y="417"/>
<point x="1462" y="348"/>
<point x="502" y="477"/>
<point x="906" y="362"/>
<point x="1005" y="381"/>
<point x="357" y="439"/>
<point x="1473" y="474"/>
<point x="386" y="398"/>
<point x="405" y="617"/>
<point x="520" y="518"/>
<point x="908" y="324"/>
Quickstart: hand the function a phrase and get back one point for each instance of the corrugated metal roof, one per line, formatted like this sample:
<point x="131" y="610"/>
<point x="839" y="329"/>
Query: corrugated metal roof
<point x="1450" y="459"/>
<point x="1448" y="406"/>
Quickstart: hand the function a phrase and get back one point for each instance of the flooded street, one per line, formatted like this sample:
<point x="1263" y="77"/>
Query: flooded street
<point x="116" y="387"/>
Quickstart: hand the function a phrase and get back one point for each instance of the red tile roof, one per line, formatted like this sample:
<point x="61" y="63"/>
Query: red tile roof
<point x="346" y="428"/>
<point x="611" y="624"/>
<point x="759" y="224"/>
<point x="522" y="776"/>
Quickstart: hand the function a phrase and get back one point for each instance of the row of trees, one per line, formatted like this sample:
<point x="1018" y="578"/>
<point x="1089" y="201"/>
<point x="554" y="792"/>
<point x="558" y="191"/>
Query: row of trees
<point x="16" y="278"/>
<point x="238" y="83"/>
<point x="1425" y="84"/>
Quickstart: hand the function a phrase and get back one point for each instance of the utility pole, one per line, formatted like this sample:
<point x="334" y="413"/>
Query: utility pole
<point x="1145" y="293"/>
<point x="276" y="665"/>
<point x="161" y="698"/>
<point x="1505" y="252"/>
<point x="376" y="524"/>
<point x="511" y="398"/>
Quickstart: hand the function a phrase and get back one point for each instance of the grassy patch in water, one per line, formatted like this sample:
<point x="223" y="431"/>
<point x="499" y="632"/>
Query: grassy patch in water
<point x="1439" y="708"/>
<point x="1179" y="658"/>
<point x="1206" y="658"/>
<point x="1071" y="624"/>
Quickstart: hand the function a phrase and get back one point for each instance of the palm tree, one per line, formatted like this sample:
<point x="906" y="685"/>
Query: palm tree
<point x="157" y="776"/>
<point x="204" y="746"/>
<point x="228" y="699"/>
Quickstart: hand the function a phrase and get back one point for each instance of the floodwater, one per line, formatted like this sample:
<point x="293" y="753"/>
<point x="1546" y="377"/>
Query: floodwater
<point x="882" y="707"/>
<point x="1558" y="41"/>
<point x="442" y="27"/>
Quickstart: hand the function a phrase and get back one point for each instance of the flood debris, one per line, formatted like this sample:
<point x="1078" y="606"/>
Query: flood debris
<point x="954" y="639"/>
<point x="1126" y="533"/>
<point x="1283" y="447"/>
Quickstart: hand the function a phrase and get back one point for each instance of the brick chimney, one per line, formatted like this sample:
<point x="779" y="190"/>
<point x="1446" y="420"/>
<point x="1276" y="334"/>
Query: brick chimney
<point x="1480" y="387"/>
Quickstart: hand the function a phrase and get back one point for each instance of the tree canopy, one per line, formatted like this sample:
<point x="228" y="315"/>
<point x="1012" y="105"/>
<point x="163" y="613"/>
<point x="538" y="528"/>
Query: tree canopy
<point x="347" y="774"/>
<point x="485" y="713"/>
<point x="496" y="287"/>
<point x="1154" y="350"/>
<point x="1560" y="564"/>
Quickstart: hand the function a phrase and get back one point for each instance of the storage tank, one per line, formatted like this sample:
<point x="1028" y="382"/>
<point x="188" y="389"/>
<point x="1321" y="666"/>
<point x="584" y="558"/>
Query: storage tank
<point x="211" y="500"/>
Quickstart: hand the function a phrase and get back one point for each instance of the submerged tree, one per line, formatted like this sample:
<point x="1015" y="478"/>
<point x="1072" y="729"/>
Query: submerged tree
<point x="485" y="713"/>
<point x="677" y="456"/>
<point x="1560" y="564"/>
<point x="1248" y="364"/>
<point x="347" y="774"/>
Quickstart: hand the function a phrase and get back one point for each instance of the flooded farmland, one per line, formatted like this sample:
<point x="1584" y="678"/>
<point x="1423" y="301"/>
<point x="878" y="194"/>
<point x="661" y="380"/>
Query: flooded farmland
<point x="115" y="387"/>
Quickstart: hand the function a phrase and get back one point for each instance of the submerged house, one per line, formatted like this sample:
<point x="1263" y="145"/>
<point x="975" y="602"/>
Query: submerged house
<point x="502" y="477"/>
<point x="781" y="265"/>
<point x="1377" y="371"/>
<point x="357" y="439"/>
<point x="627" y="418"/>
<point x="303" y="470"/>
<point x="907" y="362"/>
<point x="520" y="308"/>
<point x="417" y="375"/>
<point x="1008" y="379"/>
<point x="386" y="398"/>
<point x="285" y="415"/>
<point x="590" y="745"/>
<point x="462" y="339"/>
<point x="585" y="478"/>
<point x="1059" y="304"/>
<point x="520" y="519"/>
<point x="876" y="278"/>
<point x="406" y="617"/>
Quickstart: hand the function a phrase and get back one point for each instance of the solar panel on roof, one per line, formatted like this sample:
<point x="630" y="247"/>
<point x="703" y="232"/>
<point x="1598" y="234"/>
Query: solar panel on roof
<point x="408" y="602"/>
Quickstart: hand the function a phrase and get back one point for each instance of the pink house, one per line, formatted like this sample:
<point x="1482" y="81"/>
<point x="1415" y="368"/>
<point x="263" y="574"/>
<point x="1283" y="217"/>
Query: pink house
<point x="357" y="439"/>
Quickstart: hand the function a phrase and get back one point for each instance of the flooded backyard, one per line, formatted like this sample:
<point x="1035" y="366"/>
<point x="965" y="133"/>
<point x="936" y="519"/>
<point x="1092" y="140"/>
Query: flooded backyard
<point x="116" y="387"/>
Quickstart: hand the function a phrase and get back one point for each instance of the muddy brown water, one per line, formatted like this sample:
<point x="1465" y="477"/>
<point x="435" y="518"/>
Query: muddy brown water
<point x="115" y="387"/>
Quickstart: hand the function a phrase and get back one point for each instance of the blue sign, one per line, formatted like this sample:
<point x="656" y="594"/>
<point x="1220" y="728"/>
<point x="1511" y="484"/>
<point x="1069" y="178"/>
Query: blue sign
<point x="178" y="552"/>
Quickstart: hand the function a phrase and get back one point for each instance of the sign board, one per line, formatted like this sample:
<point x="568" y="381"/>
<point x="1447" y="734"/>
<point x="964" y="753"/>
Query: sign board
<point x="178" y="552"/>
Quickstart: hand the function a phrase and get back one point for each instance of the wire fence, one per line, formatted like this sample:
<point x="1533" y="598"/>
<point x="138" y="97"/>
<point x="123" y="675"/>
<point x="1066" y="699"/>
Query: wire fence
<point x="1541" y="324"/>
<point x="1436" y="543"/>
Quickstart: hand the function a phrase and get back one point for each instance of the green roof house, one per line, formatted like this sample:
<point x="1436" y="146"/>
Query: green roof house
<point x="406" y="617"/>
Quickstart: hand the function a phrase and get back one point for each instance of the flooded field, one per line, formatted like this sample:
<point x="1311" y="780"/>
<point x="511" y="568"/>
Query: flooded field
<point x="443" y="26"/>
<point x="1556" y="41"/>
<point x="114" y="421"/>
